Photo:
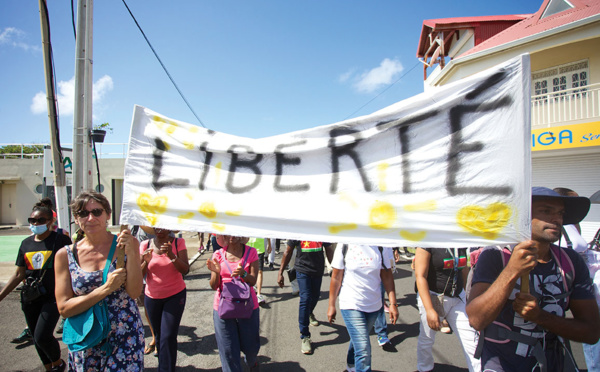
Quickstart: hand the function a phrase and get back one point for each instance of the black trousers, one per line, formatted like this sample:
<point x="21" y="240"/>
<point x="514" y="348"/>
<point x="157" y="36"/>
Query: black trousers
<point x="41" y="318"/>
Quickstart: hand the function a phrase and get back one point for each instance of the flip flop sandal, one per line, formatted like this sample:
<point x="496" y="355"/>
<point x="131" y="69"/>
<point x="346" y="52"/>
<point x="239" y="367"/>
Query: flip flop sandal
<point x="149" y="349"/>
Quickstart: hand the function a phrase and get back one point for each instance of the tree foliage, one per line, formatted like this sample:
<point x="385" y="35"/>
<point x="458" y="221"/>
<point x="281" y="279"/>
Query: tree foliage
<point x="14" y="151"/>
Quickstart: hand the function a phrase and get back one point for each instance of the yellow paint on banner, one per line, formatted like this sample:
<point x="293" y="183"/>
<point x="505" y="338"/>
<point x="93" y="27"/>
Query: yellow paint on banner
<point x="382" y="216"/>
<point x="218" y="167"/>
<point x="152" y="207"/>
<point x="429" y="205"/>
<point x="381" y="174"/>
<point x="188" y="145"/>
<point x="344" y="197"/>
<point x="233" y="213"/>
<point x="413" y="236"/>
<point x="486" y="222"/>
<point x="208" y="210"/>
<point x="218" y="226"/>
<point x="336" y="229"/>
<point x="186" y="216"/>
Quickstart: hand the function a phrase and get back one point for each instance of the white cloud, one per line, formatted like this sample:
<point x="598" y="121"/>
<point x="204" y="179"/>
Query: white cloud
<point x="346" y="76"/>
<point x="66" y="96"/>
<point x="14" y="37"/>
<point x="378" y="77"/>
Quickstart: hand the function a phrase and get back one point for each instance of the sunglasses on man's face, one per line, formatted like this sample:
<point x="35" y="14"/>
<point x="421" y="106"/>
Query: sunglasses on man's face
<point x="41" y="220"/>
<point x="97" y="212"/>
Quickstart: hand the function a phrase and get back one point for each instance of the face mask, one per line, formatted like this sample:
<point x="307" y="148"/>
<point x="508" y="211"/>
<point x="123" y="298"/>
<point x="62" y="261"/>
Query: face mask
<point x="38" y="229"/>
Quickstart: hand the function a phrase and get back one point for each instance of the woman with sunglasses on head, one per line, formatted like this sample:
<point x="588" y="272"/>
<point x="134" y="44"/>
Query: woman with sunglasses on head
<point x="35" y="262"/>
<point x="235" y="261"/>
<point x="80" y="286"/>
<point x="164" y="262"/>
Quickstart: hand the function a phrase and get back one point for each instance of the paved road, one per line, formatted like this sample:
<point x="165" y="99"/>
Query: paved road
<point x="280" y="343"/>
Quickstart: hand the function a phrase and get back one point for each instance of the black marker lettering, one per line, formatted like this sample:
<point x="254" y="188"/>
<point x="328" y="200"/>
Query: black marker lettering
<point x="345" y="150"/>
<point x="236" y="163"/>
<point x="282" y="161"/>
<point x="157" y="165"/>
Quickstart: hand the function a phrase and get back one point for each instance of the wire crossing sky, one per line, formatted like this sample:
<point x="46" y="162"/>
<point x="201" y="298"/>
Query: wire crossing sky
<point x="252" y="69"/>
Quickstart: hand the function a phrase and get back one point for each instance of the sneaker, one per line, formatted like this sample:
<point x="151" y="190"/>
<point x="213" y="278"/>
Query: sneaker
<point x="59" y="368"/>
<point x="271" y="267"/>
<point x="306" y="346"/>
<point x="23" y="337"/>
<point x="350" y="369"/>
<point x="255" y="367"/>
<point x="382" y="340"/>
<point x="260" y="298"/>
<point x="312" y="320"/>
<point x="407" y="256"/>
<point x="61" y="325"/>
<point x="445" y="328"/>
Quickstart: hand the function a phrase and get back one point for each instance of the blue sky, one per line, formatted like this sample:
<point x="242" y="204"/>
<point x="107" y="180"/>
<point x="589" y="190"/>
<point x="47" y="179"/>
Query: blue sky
<point x="248" y="68"/>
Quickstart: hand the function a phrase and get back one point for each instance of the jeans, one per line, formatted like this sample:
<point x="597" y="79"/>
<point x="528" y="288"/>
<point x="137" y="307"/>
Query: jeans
<point x="165" y="316"/>
<point x="381" y="322"/>
<point x="592" y="356"/>
<point x="310" y="290"/>
<point x="235" y="336"/>
<point x="359" y="324"/>
<point x="457" y="318"/>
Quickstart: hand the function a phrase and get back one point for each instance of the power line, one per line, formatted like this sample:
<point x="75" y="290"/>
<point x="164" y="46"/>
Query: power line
<point x="383" y="91"/>
<point x="163" y="65"/>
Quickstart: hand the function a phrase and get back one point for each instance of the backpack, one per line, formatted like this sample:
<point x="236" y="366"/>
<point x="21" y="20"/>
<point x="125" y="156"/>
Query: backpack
<point x="499" y="332"/>
<point x="236" y="296"/>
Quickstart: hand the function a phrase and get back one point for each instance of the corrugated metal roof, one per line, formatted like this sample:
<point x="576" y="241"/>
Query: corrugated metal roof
<point x="485" y="26"/>
<point x="534" y="24"/>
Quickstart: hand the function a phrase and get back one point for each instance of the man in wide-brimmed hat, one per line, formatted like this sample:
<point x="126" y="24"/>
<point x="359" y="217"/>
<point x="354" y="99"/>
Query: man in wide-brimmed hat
<point x="521" y="330"/>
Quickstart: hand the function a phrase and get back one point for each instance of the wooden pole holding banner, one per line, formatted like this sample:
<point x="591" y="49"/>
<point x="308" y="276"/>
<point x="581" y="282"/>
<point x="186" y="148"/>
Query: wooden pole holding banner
<point x="121" y="252"/>
<point x="525" y="283"/>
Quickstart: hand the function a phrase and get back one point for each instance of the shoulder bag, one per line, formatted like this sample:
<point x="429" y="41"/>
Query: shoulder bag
<point x="236" y="297"/>
<point x="90" y="328"/>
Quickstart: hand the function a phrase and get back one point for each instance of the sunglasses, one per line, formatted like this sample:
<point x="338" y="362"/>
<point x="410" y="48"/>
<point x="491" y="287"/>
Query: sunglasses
<point x="97" y="212"/>
<point x="41" y="220"/>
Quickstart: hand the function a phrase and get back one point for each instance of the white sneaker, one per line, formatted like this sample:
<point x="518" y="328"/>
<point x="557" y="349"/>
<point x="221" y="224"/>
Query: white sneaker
<point x="260" y="298"/>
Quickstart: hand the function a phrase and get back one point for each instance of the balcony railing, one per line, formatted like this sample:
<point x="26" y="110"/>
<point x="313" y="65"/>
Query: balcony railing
<point x="570" y="105"/>
<point x="104" y="150"/>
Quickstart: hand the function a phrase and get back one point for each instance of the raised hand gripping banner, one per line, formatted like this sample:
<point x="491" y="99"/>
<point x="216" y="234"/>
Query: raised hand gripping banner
<point x="446" y="168"/>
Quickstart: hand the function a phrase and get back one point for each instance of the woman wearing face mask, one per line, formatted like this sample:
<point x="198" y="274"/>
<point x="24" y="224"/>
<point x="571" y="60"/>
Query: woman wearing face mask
<point x="35" y="262"/>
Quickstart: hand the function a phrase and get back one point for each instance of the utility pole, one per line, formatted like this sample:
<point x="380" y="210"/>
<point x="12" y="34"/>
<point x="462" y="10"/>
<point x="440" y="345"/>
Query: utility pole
<point x="60" y="187"/>
<point x="82" y="117"/>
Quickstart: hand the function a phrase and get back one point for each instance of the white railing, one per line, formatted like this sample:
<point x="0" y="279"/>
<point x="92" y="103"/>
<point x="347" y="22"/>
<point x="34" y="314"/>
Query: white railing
<point x="575" y="104"/>
<point x="104" y="150"/>
<point x="19" y="151"/>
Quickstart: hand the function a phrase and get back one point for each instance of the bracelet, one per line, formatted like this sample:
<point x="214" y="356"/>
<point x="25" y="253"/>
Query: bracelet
<point x="173" y="260"/>
<point x="245" y="274"/>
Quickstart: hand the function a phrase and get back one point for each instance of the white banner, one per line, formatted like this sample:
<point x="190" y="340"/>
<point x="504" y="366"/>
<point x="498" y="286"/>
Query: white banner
<point x="447" y="168"/>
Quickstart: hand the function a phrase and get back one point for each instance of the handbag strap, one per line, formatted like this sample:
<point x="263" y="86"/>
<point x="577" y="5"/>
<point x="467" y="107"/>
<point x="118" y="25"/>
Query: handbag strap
<point x="109" y="259"/>
<point x="244" y="257"/>
<point x="49" y="258"/>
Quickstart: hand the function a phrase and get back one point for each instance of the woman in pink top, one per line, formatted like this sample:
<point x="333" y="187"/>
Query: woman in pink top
<point x="165" y="260"/>
<point x="235" y="335"/>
